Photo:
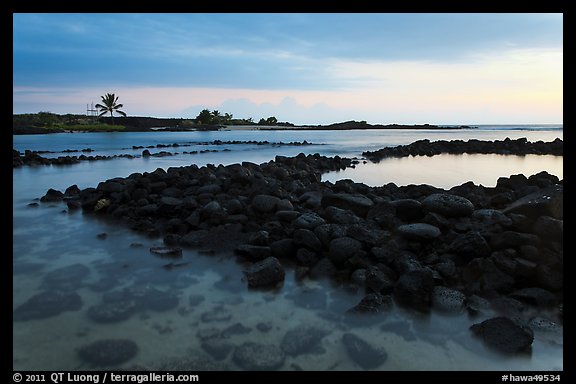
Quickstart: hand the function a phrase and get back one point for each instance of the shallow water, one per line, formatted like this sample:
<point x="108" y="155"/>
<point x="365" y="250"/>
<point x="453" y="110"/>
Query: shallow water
<point x="47" y="237"/>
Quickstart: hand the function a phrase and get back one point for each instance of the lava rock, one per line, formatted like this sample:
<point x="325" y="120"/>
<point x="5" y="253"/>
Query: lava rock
<point x="252" y="356"/>
<point x="302" y="339"/>
<point x="266" y="273"/>
<point x="108" y="352"/>
<point x="362" y="353"/>
<point x="448" y="205"/>
<point x="504" y="335"/>
<point x="47" y="304"/>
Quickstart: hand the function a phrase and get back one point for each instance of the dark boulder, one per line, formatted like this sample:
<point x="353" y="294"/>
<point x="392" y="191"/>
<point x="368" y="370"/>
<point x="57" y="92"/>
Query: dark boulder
<point x="51" y="196"/>
<point x="448" y="300"/>
<point x="546" y="202"/>
<point x="419" y="232"/>
<point x="504" y="335"/>
<point x="470" y="245"/>
<point x="356" y="203"/>
<point x="266" y="273"/>
<point x="414" y="289"/>
<point x="343" y="248"/>
<point x="448" y="205"/>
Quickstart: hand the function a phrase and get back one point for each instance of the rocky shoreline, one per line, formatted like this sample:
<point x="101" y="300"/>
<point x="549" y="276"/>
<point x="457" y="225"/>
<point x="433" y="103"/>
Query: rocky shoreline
<point x="504" y="147"/>
<point x="35" y="158"/>
<point x="470" y="249"/>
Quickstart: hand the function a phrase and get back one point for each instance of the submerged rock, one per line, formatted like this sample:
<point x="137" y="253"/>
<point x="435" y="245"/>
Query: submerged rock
<point x="504" y="335"/>
<point x="252" y="356"/>
<point x="302" y="339"/>
<point x="266" y="273"/>
<point x="362" y="353"/>
<point x="47" y="304"/>
<point x="108" y="352"/>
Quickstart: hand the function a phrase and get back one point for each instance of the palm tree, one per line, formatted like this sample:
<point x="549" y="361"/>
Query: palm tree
<point x="109" y="105"/>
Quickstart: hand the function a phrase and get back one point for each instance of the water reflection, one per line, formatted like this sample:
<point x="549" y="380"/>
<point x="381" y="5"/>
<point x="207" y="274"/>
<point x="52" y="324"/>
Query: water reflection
<point x="446" y="170"/>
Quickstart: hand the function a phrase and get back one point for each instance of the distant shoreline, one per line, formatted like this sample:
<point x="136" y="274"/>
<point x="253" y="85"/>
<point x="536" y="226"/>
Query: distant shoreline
<point x="345" y="126"/>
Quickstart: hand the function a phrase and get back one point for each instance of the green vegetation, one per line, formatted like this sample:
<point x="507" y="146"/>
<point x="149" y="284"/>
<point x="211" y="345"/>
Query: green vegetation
<point x="207" y="117"/>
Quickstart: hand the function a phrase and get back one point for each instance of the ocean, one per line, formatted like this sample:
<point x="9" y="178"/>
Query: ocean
<point x="54" y="248"/>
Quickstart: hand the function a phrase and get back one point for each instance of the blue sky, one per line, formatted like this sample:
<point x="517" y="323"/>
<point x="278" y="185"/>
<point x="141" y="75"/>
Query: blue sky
<point x="304" y="68"/>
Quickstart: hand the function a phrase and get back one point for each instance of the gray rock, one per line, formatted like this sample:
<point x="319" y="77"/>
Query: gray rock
<point x="362" y="353"/>
<point x="266" y="273"/>
<point x="343" y="248"/>
<point x="470" y="245"/>
<point x="252" y="356"/>
<point x="340" y="216"/>
<point x="414" y="289"/>
<point x="265" y="203"/>
<point x="490" y="218"/>
<point x="307" y="238"/>
<point x="358" y="204"/>
<point x="420" y="232"/>
<point x="309" y="220"/>
<point x="448" y="205"/>
<point x="504" y="335"/>
<point x="448" y="300"/>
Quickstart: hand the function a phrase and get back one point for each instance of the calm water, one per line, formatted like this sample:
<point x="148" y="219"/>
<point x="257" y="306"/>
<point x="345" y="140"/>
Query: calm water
<point x="47" y="238"/>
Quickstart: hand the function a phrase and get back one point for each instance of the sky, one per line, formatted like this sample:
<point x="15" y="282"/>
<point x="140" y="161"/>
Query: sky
<point x="405" y="68"/>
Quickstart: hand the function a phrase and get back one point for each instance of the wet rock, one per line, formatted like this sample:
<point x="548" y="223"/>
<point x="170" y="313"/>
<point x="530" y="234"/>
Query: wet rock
<point x="343" y="248"/>
<point x="167" y="252"/>
<point x="47" y="304"/>
<point x="372" y="303"/>
<point x="378" y="281"/>
<point x="420" y="232"/>
<point x="414" y="289"/>
<point x="448" y="300"/>
<point x="476" y="306"/>
<point x="284" y="248"/>
<point x="252" y="356"/>
<point x="448" y="205"/>
<point x="488" y="218"/>
<point x="302" y="339"/>
<point x="306" y="257"/>
<point x="108" y="352"/>
<point x="112" y="312"/>
<point x="309" y="298"/>
<point x="504" y="335"/>
<point x="266" y="273"/>
<point x="235" y="329"/>
<point x="157" y="300"/>
<point x="362" y="353"/>
<point x="51" y="196"/>
<point x="254" y="252"/>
